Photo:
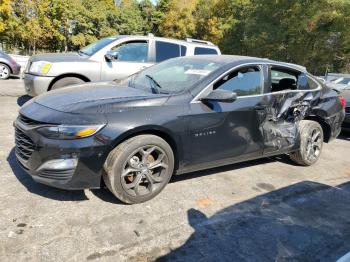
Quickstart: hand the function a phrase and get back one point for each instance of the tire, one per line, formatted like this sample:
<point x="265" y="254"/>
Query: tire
<point x="5" y="72"/>
<point x="311" y="143"/>
<point x="139" y="168"/>
<point x="67" y="81"/>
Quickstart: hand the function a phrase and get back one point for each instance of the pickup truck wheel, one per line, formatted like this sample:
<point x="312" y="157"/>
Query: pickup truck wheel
<point x="311" y="142"/>
<point x="67" y="81"/>
<point x="4" y="72"/>
<point x="139" y="168"/>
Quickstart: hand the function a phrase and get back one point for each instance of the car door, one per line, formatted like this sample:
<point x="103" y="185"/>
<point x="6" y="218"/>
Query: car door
<point x="227" y="132"/>
<point x="128" y="58"/>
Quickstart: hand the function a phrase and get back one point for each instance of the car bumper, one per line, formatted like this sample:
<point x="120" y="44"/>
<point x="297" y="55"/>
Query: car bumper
<point x="16" y="69"/>
<point x="36" y="85"/>
<point x="65" y="164"/>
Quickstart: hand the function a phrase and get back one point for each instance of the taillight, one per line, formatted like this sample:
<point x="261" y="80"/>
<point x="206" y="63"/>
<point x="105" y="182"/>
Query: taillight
<point x="342" y="101"/>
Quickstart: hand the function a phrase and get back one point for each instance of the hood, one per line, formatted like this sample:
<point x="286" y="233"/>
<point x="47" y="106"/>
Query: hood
<point x="58" y="57"/>
<point x="99" y="97"/>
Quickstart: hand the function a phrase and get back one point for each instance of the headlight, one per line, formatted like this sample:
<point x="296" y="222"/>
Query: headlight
<point x="40" y="68"/>
<point x="69" y="132"/>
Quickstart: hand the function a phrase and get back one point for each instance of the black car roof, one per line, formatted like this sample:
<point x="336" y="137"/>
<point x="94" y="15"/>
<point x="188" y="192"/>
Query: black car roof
<point x="236" y="60"/>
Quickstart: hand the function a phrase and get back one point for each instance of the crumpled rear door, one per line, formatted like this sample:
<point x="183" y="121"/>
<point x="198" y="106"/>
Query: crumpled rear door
<point x="285" y="110"/>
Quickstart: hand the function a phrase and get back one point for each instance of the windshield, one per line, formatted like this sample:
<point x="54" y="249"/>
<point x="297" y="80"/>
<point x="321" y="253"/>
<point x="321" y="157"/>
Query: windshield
<point x="94" y="47"/>
<point x="173" y="76"/>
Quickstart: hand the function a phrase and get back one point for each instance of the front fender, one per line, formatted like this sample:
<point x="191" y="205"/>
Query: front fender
<point x="88" y="69"/>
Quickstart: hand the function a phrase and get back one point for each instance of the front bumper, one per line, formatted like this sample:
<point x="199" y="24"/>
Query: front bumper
<point x="36" y="85"/>
<point x="66" y="164"/>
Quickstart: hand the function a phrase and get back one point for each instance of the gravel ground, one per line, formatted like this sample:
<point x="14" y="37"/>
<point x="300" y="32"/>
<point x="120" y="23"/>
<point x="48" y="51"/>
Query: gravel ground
<point x="264" y="210"/>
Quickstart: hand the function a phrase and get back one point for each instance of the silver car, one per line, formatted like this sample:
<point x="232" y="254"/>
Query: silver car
<point x="110" y="58"/>
<point x="8" y="66"/>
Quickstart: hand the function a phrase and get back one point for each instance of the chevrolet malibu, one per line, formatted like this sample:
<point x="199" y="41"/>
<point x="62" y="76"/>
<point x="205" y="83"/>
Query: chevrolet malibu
<point x="179" y="116"/>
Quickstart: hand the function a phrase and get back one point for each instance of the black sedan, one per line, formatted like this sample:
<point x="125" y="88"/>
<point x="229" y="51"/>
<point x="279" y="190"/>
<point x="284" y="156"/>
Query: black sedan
<point x="182" y="115"/>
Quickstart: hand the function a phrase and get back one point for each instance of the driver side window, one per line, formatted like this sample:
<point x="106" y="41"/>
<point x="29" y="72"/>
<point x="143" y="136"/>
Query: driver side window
<point x="135" y="51"/>
<point x="244" y="81"/>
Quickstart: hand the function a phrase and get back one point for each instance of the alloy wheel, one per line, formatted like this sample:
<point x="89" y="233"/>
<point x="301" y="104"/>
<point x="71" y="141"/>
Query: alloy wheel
<point x="144" y="170"/>
<point x="314" y="145"/>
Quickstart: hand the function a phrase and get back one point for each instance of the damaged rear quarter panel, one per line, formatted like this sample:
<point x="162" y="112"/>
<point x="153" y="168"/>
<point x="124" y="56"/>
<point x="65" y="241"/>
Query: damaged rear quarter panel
<point x="285" y="110"/>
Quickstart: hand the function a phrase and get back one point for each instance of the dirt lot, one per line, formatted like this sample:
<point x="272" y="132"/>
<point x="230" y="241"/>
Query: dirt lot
<point x="265" y="210"/>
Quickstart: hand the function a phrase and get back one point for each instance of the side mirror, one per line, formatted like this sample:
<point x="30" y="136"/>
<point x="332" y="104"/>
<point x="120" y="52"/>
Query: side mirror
<point x="111" y="56"/>
<point x="219" y="95"/>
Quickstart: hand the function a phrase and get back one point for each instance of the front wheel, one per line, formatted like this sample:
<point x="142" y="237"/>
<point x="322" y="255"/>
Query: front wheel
<point x="311" y="143"/>
<point x="67" y="81"/>
<point x="139" y="168"/>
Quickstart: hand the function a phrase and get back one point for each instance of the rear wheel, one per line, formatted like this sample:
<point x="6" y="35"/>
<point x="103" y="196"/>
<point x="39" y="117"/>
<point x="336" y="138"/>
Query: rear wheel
<point x="4" y="72"/>
<point x="139" y="168"/>
<point x="311" y="143"/>
<point x="67" y="81"/>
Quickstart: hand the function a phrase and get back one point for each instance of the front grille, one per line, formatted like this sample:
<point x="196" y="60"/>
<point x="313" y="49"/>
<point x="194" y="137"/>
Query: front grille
<point x="24" y="145"/>
<point x="347" y="110"/>
<point x="27" y="121"/>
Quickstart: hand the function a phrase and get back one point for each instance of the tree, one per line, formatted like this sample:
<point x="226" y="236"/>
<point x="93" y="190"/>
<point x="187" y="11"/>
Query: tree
<point x="5" y="13"/>
<point x="147" y="11"/>
<point x="179" y="21"/>
<point x="159" y="14"/>
<point x="96" y="19"/>
<point x="313" y="33"/>
<point x="209" y="21"/>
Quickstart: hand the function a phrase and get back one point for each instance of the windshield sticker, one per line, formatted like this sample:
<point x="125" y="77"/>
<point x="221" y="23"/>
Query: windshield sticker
<point x="201" y="72"/>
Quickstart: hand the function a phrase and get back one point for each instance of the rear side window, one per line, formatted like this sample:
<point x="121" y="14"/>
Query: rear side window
<point x="306" y="83"/>
<point x="283" y="79"/>
<point x="165" y="50"/>
<point x="205" y="51"/>
<point x="244" y="82"/>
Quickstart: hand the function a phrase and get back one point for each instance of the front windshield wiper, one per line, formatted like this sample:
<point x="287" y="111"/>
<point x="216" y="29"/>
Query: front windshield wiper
<point x="155" y="82"/>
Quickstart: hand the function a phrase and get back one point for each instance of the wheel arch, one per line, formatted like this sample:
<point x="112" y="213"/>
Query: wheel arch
<point x="162" y="132"/>
<point x="325" y="126"/>
<point x="80" y="76"/>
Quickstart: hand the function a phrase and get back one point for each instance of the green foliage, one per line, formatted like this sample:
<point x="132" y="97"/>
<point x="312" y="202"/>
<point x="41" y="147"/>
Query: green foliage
<point x="5" y="13"/>
<point x="314" y="33"/>
<point x="178" y="21"/>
